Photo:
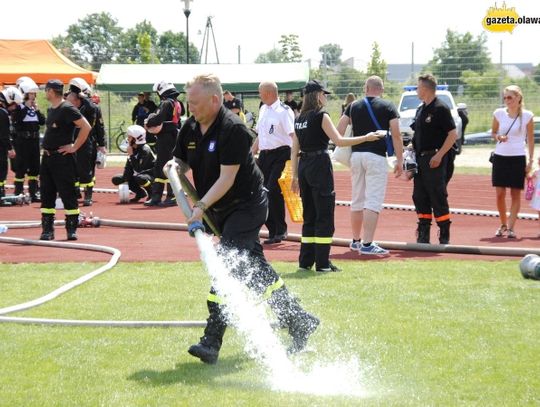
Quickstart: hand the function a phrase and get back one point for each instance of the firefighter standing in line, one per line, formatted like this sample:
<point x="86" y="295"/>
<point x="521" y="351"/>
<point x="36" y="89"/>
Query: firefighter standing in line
<point x="167" y="120"/>
<point x="139" y="168"/>
<point x="434" y="134"/>
<point x="97" y="138"/>
<point x="58" y="171"/>
<point x="10" y="98"/>
<point x="215" y="144"/>
<point x="313" y="175"/>
<point x="26" y="121"/>
<point x="77" y="95"/>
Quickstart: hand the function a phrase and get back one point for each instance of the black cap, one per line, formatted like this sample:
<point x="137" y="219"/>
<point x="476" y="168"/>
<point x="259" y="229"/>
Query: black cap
<point x="55" y="84"/>
<point x="315" y="86"/>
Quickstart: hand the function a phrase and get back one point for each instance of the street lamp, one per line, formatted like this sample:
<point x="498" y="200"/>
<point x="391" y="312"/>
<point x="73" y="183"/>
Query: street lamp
<point x="187" y="12"/>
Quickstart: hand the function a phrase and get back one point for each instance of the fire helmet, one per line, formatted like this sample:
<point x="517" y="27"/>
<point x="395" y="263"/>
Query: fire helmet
<point x="11" y="95"/>
<point x="138" y="133"/>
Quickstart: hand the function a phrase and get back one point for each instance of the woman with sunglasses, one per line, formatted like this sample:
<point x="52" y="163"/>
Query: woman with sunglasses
<point x="512" y="130"/>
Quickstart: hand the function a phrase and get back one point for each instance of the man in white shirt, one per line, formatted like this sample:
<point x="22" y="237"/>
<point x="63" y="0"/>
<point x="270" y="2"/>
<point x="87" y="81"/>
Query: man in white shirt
<point x="275" y="129"/>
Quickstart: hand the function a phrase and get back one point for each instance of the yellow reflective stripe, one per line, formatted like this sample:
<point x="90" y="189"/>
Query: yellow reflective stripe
<point x="215" y="298"/>
<point x="323" y="240"/>
<point x="33" y="177"/>
<point x="19" y="179"/>
<point x="273" y="287"/>
<point x="72" y="211"/>
<point x="77" y="183"/>
<point x="147" y="184"/>
<point x="306" y="239"/>
<point x="2" y="183"/>
<point x="88" y="184"/>
<point x="161" y="180"/>
<point x="48" y="211"/>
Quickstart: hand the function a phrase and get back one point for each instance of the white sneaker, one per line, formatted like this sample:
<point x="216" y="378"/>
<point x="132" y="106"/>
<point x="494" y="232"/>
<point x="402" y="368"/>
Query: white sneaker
<point x="373" y="249"/>
<point x="356" y="246"/>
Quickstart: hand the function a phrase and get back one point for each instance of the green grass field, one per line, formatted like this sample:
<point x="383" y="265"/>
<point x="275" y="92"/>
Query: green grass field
<point x="422" y="333"/>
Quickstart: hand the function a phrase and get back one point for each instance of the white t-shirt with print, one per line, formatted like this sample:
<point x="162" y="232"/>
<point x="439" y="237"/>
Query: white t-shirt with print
<point x="517" y="136"/>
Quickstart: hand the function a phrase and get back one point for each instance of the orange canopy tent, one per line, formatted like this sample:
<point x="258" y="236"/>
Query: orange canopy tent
<point x="39" y="60"/>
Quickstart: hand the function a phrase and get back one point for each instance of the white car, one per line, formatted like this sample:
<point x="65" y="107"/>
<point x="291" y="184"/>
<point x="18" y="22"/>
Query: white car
<point x="409" y="102"/>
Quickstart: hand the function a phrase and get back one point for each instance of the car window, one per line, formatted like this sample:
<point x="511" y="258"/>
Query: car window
<point x="412" y="102"/>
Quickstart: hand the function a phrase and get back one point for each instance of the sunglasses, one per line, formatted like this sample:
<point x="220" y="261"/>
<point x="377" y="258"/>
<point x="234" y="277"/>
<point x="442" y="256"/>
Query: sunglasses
<point x="508" y="97"/>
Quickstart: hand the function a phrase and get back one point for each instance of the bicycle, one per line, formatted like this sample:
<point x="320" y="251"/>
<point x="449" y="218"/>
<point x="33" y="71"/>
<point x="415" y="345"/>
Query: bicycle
<point x="120" y="139"/>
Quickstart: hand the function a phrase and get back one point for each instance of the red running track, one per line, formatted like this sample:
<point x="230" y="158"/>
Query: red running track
<point x="465" y="191"/>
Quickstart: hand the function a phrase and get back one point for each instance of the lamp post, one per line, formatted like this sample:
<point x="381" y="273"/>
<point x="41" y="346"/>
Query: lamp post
<point x="187" y="12"/>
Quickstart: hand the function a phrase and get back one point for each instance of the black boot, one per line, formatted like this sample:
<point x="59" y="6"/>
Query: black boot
<point x="157" y="192"/>
<point x="301" y="324"/>
<point x="19" y="187"/>
<point x="444" y="232"/>
<point x="47" y="225"/>
<point x="207" y="350"/>
<point x="72" y="221"/>
<point x="88" y="196"/>
<point x="33" y="188"/>
<point x="2" y="195"/>
<point x="423" y="231"/>
<point x="170" y="199"/>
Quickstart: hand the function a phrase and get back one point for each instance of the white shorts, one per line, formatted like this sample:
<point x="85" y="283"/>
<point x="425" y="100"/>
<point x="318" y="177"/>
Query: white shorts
<point x="369" y="175"/>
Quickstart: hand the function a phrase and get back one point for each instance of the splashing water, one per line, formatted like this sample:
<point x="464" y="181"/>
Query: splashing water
<point x="248" y="315"/>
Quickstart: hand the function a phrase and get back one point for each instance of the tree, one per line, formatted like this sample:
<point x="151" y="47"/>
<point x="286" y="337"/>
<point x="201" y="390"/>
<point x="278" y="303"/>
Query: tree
<point x="347" y="80"/>
<point x="96" y="38"/>
<point x="131" y="42"/>
<point x="290" y="49"/>
<point x="65" y="46"/>
<point x="171" y="49"/>
<point x="330" y="54"/>
<point x="146" y="50"/>
<point x="536" y="74"/>
<point x="273" y="56"/>
<point x="377" y="65"/>
<point x="458" y="53"/>
<point x="482" y="85"/>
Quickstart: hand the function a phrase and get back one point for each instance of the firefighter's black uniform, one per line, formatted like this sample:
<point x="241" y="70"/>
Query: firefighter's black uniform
<point x="5" y="146"/>
<point x="138" y="172"/>
<point x="85" y="155"/>
<point x="168" y="114"/>
<point x="316" y="182"/>
<point x="97" y="137"/>
<point x="239" y="215"/>
<point x="431" y="127"/>
<point x="26" y="121"/>
<point x="58" y="172"/>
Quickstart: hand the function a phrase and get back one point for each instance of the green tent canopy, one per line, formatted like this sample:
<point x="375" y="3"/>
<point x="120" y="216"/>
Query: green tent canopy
<point x="242" y="78"/>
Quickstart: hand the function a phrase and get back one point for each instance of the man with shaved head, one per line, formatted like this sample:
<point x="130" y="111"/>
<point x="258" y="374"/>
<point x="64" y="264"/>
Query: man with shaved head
<point x="275" y="130"/>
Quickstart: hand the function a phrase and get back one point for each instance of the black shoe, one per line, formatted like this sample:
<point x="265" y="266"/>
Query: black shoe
<point x="330" y="268"/>
<point x="70" y="236"/>
<point x="300" y="268"/>
<point x="35" y="199"/>
<point x="168" y="202"/>
<point x="47" y="236"/>
<point x="152" y="202"/>
<point x="302" y="331"/>
<point x="88" y="202"/>
<point x="137" y="198"/>
<point x="205" y="353"/>
<point x="276" y="239"/>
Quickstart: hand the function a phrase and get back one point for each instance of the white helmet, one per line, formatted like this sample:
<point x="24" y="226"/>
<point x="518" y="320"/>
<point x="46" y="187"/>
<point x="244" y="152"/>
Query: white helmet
<point x="23" y="79"/>
<point x="162" y="86"/>
<point x="28" y="86"/>
<point x="79" y="85"/>
<point x="12" y="95"/>
<point x="138" y="133"/>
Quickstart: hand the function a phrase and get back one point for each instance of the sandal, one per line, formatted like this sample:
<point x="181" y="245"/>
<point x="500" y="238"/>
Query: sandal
<point x="511" y="234"/>
<point x="501" y="231"/>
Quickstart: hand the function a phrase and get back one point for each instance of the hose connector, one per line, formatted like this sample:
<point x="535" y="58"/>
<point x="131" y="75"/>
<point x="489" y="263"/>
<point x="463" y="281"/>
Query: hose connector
<point x="194" y="226"/>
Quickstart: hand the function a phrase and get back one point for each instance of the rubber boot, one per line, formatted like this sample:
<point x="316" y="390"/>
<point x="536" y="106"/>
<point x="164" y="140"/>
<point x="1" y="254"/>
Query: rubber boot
<point x="300" y="323"/>
<point x="444" y="232"/>
<point x="423" y="231"/>
<point x="155" y="196"/>
<point x="88" y="196"/>
<point x="2" y="195"/>
<point x="207" y="350"/>
<point x="72" y="221"/>
<point x="19" y="187"/>
<point x="33" y="189"/>
<point x="170" y="199"/>
<point x="47" y="225"/>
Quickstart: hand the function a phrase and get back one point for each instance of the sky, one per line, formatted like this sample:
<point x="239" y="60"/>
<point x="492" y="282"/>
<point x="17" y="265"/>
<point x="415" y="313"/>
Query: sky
<point x="256" y="26"/>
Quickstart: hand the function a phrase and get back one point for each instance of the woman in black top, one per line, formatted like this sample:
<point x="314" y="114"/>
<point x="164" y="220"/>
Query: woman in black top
<point x="313" y="176"/>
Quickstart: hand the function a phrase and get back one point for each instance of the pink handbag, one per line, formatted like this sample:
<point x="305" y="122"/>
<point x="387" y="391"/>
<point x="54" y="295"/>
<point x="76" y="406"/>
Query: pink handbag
<point x="529" y="191"/>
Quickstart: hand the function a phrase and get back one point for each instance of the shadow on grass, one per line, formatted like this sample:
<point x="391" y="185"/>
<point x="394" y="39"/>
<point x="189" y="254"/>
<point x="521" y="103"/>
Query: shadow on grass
<point x="189" y="373"/>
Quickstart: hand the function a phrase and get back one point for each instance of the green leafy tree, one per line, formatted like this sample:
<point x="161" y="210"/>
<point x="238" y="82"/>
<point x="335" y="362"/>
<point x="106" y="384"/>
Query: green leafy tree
<point x="536" y="74"/>
<point x="66" y="47"/>
<point x="96" y="38"/>
<point x="482" y="85"/>
<point x="131" y="42"/>
<point x="273" y="56"/>
<point x="459" y="53"/>
<point x="347" y="80"/>
<point x="377" y="65"/>
<point x="171" y="49"/>
<point x="290" y="49"/>
<point x="146" y="50"/>
<point x="330" y="54"/>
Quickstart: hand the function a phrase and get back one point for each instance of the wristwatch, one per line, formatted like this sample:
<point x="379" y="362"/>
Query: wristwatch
<point x="201" y="205"/>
